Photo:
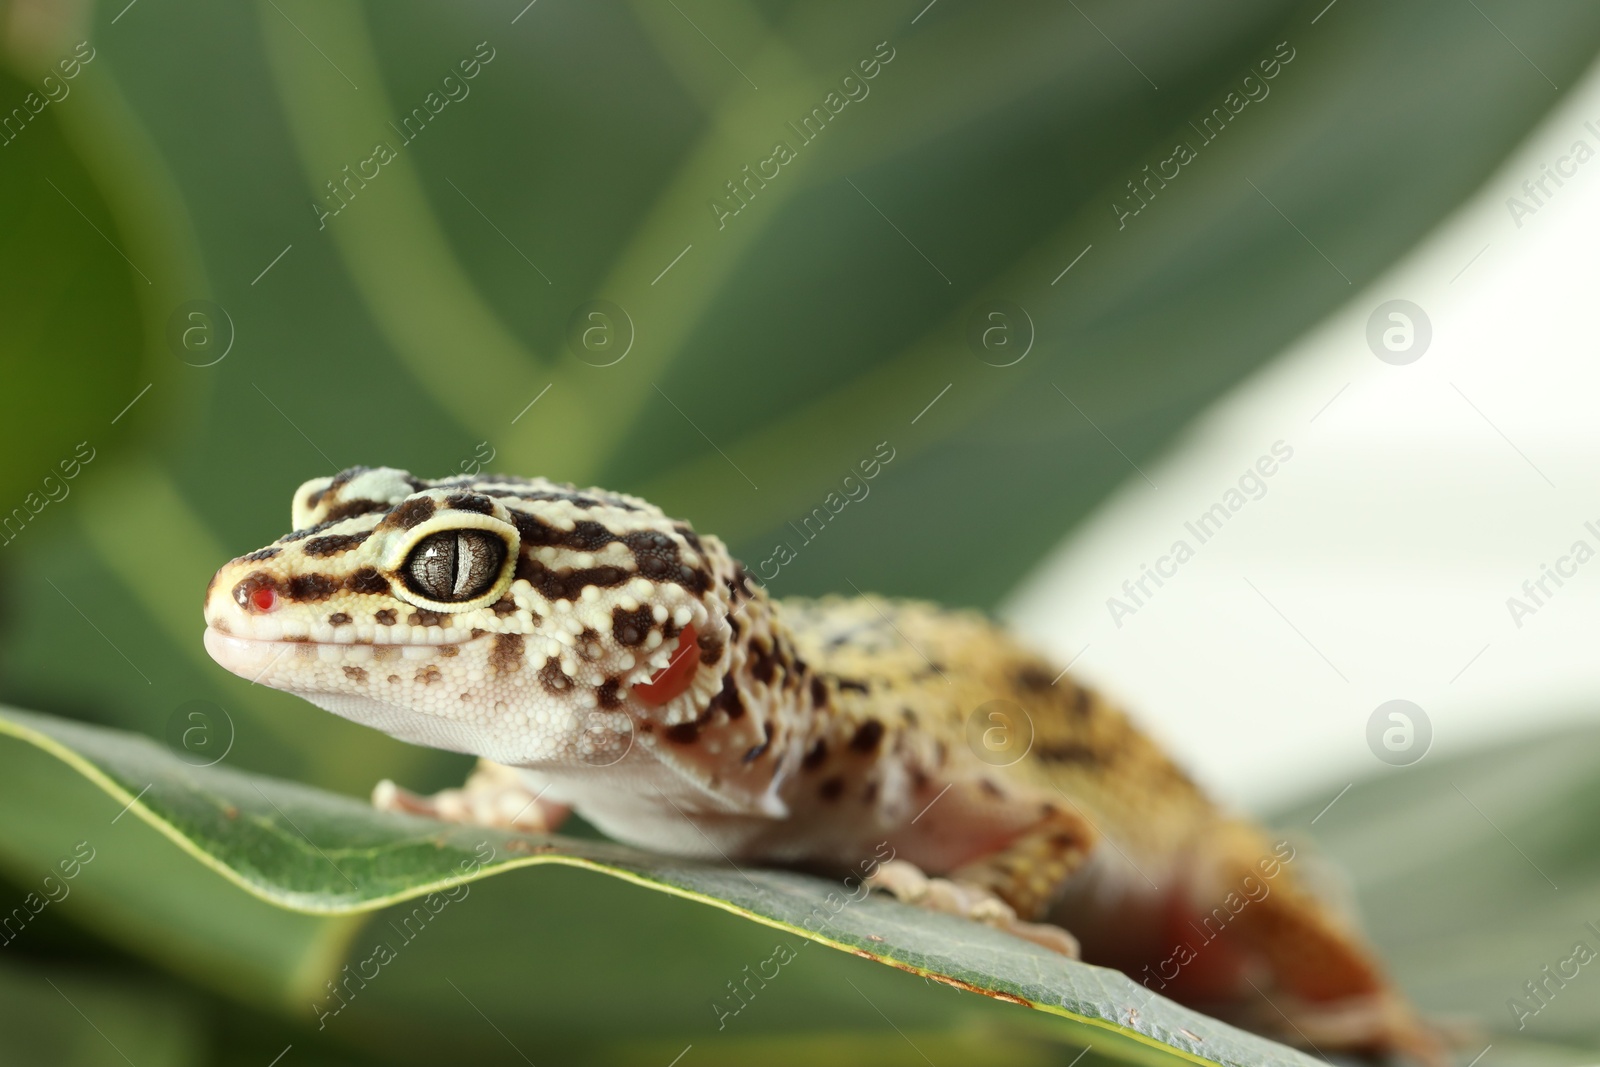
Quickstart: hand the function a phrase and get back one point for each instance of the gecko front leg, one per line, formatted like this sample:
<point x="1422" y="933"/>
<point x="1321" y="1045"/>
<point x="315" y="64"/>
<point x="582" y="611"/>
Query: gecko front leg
<point x="1008" y="887"/>
<point x="493" y="795"/>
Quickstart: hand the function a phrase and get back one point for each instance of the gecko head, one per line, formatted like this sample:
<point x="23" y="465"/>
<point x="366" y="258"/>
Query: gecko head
<point x="515" y="619"/>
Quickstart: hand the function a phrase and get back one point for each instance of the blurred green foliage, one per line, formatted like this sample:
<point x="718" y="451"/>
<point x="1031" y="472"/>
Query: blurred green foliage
<point x="423" y="319"/>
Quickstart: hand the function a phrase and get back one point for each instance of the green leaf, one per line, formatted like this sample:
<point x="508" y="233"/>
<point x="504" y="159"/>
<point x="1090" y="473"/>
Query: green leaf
<point x="317" y="853"/>
<point x="143" y="896"/>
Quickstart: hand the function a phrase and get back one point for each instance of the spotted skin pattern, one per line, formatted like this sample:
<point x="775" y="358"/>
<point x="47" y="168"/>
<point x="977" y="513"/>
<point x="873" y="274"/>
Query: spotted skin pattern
<point x="613" y="661"/>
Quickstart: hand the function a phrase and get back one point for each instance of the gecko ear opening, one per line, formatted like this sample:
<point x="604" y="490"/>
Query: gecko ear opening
<point x="673" y="680"/>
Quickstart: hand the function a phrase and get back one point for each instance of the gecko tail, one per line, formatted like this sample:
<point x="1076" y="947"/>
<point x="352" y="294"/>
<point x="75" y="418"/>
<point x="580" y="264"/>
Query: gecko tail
<point x="1271" y="955"/>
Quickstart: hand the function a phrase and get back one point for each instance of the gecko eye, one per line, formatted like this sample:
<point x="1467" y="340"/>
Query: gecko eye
<point x="455" y="565"/>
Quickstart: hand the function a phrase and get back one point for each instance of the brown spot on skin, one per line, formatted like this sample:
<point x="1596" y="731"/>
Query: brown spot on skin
<point x="740" y="585"/>
<point x="831" y="789"/>
<point x="409" y="514"/>
<point x="1033" y="678"/>
<point x="871" y="793"/>
<point x="336" y="483"/>
<point x="333" y="544"/>
<point x="532" y="530"/>
<point x="449" y="650"/>
<point x="582" y="501"/>
<point x="763" y="668"/>
<point x="553" y="678"/>
<point x="361" y="508"/>
<point x="367" y="580"/>
<point x="728" y="699"/>
<point x="504" y="606"/>
<point x="338" y="618"/>
<point x="867" y="736"/>
<point x="685" y="733"/>
<point x="710" y="649"/>
<point x="588" y="645"/>
<point x="588" y="536"/>
<point x="305" y="649"/>
<point x="311" y="587"/>
<point x="990" y="789"/>
<point x="356" y="674"/>
<point x="817" y="754"/>
<point x="385" y="616"/>
<point x="429" y="674"/>
<point x="630" y="628"/>
<point x="688" y="535"/>
<point x="351" y="508"/>
<point x="385" y="652"/>
<point x="567" y="585"/>
<point x="1080" y="701"/>
<point x="506" y="655"/>
<point x="1067" y="752"/>
<point x="656" y="555"/>
<point x="221" y="626"/>
<point x="851" y="684"/>
<point x="393" y="678"/>
<point x="260" y="554"/>
<point x="424" y="617"/>
<point x="819" y="691"/>
<point x="470" y="502"/>
<point x="609" y="694"/>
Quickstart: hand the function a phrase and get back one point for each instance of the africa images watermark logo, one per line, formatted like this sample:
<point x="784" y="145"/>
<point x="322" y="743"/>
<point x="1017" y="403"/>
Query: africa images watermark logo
<point x="1251" y="485"/>
<point x="853" y="87"/>
<point x="1252" y="88"/>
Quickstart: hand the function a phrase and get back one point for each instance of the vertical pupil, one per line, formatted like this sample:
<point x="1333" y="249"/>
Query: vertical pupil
<point x="455" y="565"/>
<point x="466" y="554"/>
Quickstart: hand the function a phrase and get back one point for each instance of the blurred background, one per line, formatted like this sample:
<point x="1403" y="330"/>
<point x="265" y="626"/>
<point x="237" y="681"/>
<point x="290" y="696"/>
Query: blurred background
<point x="1079" y="267"/>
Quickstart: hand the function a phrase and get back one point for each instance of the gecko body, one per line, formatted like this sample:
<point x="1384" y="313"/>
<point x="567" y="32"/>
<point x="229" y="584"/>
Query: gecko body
<point x="600" y="656"/>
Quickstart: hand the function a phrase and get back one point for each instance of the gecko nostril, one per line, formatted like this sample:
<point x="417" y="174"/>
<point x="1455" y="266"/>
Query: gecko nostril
<point x="256" y="594"/>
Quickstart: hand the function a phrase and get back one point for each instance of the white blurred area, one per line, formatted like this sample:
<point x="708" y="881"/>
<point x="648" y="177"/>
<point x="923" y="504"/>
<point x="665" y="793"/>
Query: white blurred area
<point x="1394" y="536"/>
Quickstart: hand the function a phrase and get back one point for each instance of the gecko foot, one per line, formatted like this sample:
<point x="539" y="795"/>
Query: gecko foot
<point x="494" y="795"/>
<point x="906" y="882"/>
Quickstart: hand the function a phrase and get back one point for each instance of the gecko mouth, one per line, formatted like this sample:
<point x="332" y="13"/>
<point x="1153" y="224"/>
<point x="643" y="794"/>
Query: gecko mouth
<point x="256" y="658"/>
<point x="280" y="664"/>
